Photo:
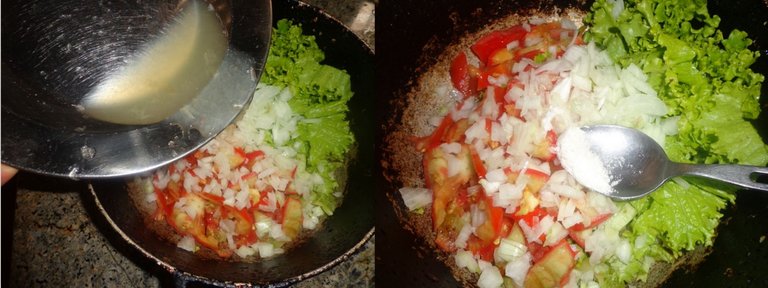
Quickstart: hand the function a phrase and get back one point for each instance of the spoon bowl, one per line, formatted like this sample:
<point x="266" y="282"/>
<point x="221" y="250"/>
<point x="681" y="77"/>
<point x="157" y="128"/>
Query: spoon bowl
<point x="57" y="53"/>
<point x="637" y="165"/>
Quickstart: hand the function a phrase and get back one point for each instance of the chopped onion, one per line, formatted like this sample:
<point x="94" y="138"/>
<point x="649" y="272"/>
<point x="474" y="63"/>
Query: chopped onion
<point x="187" y="243"/>
<point x="574" y="219"/>
<point x="555" y="233"/>
<point x="566" y="191"/>
<point x="465" y="259"/>
<point x="416" y="198"/>
<point x="566" y="209"/>
<point x="266" y="249"/>
<point x="477" y="216"/>
<point x="490" y="277"/>
<point x="490" y="187"/>
<point x="624" y="251"/>
<point x="508" y="250"/>
<point x="518" y="268"/>
<point x="244" y="251"/>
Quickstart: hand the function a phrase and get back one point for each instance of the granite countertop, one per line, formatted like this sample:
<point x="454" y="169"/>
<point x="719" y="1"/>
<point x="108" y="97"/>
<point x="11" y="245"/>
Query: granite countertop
<point x="55" y="243"/>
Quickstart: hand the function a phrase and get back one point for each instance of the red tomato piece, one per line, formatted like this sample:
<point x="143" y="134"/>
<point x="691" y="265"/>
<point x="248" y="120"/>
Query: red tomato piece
<point x="213" y="198"/>
<point x="496" y="40"/>
<point x="460" y="76"/>
<point x="431" y="141"/>
<point x="597" y="220"/>
<point x="553" y="268"/>
<point x="477" y="163"/>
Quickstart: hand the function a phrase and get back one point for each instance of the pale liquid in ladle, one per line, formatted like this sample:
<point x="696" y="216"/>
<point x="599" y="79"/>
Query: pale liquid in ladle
<point x="166" y="75"/>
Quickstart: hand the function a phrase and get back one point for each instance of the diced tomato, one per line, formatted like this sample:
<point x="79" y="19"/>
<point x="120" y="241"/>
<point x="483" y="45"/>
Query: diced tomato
<point x="460" y="76"/>
<point x="594" y="221"/>
<point x="431" y="141"/>
<point x="436" y="169"/>
<point x="529" y="204"/>
<point x="482" y="81"/>
<point x="496" y="215"/>
<point x="247" y="239"/>
<point x="492" y="71"/>
<point x="490" y="230"/>
<point x="210" y="222"/>
<point x="579" y="236"/>
<point x="164" y="207"/>
<point x="293" y="217"/>
<point x="537" y="250"/>
<point x="192" y="158"/>
<point x="240" y="152"/>
<point x="455" y="132"/>
<point x="449" y="199"/>
<point x="545" y="150"/>
<point x="536" y="180"/>
<point x="488" y="125"/>
<point x="238" y="158"/>
<point x="481" y="248"/>
<point x="531" y="218"/>
<point x="198" y="232"/>
<point x="500" y="56"/>
<point x="263" y="198"/>
<point x="498" y="95"/>
<point x="173" y="190"/>
<point x="240" y="214"/>
<point x="172" y="169"/>
<point x="213" y="198"/>
<point x="553" y="268"/>
<point x="250" y="175"/>
<point x="506" y="227"/>
<point x="253" y="155"/>
<point x="477" y="163"/>
<point x="496" y="40"/>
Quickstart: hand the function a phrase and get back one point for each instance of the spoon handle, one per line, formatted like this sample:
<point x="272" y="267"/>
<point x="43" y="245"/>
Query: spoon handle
<point x="740" y="175"/>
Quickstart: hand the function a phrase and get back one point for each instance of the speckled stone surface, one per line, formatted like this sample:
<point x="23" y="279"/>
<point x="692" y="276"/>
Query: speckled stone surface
<point x="55" y="243"/>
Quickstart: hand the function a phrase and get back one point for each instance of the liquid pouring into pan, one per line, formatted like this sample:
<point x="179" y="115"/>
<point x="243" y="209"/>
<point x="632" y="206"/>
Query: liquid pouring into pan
<point x="111" y="88"/>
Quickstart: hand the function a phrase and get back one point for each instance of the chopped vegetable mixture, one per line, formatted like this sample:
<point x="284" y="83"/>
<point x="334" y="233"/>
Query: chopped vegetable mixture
<point x="272" y="174"/>
<point x="501" y="202"/>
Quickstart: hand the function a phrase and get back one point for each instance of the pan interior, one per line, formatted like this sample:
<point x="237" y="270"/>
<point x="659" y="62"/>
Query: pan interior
<point x="340" y="236"/>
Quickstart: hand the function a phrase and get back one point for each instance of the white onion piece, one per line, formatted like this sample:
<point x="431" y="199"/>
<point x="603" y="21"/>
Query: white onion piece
<point x="490" y="277"/>
<point x="187" y="243"/>
<point x="464" y="233"/>
<point x="464" y="259"/>
<point x="518" y="269"/>
<point x="415" y="198"/>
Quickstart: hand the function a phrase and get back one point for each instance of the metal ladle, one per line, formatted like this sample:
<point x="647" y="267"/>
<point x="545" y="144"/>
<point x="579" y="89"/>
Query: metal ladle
<point x="55" y="52"/>
<point x="637" y="165"/>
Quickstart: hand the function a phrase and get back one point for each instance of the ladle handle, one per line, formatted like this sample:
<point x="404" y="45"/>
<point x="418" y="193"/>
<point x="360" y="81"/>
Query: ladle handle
<point x="741" y="175"/>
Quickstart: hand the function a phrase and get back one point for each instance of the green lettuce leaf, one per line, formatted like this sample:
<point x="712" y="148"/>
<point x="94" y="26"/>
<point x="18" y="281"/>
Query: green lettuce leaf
<point x="319" y="95"/>
<point x="705" y="80"/>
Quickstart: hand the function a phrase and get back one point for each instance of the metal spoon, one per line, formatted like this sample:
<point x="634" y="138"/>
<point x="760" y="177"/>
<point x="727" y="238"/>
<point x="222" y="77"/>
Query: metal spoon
<point x="637" y="165"/>
<point x="55" y="52"/>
